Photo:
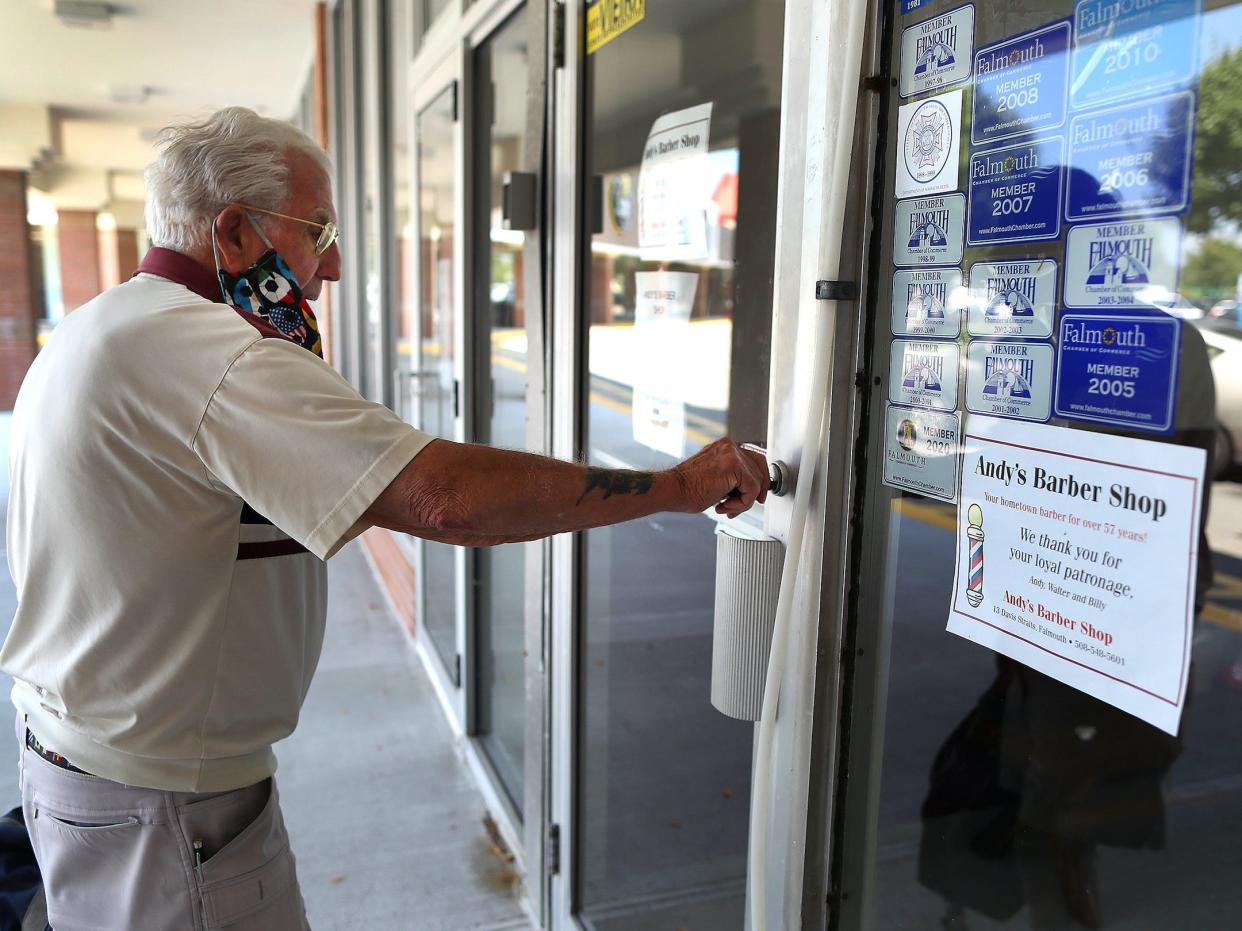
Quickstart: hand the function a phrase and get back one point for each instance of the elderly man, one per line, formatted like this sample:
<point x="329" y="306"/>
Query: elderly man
<point x="183" y="462"/>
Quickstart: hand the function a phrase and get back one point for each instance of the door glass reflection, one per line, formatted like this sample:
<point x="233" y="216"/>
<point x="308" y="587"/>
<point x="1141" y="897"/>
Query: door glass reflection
<point x="1008" y="799"/>
<point x="684" y="125"/>
<point x="501" y="361"/>
<point x="437" y="395"/>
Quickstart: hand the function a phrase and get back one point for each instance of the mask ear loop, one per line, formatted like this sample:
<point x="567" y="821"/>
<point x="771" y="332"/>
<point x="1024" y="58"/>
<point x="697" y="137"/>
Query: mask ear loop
<point x="215" y="251"/>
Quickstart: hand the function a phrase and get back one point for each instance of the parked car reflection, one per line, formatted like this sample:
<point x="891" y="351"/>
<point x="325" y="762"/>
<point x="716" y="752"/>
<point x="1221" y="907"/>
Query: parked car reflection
<point x="1226" y="353"/>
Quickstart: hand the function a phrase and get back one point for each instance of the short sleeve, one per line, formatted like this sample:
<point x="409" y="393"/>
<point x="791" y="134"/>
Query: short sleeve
<point x="286" y="433"/>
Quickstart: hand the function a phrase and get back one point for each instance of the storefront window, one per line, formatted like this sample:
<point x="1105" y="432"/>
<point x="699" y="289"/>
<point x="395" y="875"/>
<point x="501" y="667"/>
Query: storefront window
<point x="1059" y="279"/>
<point x="437" y="390"/>
<point x="502" y="362"/>
<point x="683" y="133"/>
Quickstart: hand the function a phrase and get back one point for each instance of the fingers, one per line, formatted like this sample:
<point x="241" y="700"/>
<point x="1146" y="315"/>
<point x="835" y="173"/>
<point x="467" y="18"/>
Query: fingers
<point x="749" y="472"/>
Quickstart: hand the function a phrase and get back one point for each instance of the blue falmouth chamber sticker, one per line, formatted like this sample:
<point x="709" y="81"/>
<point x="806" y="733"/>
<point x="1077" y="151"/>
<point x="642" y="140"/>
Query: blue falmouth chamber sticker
<point x="1021" y="84"/>
<point x="1015" y="298"/>
<point x="936" y="53"/>
<point x="923" y="373"/>
<point x="1009" y="379"/>
<point x="928" y="302"/>
<point x="1125" y="264"/>
<point x="1119" y="370"/>
<point x="1132" y="48"/>
<point x="930" y="230"/>
<point x="1131" y="159"/>
<point x="1015" y="193"/>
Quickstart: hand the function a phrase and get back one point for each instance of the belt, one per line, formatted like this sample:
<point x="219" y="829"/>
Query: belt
<point x="51" y="755"/>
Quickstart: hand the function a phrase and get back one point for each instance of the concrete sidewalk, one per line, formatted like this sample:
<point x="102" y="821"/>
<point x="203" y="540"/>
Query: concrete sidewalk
<point x="386" y="822"/>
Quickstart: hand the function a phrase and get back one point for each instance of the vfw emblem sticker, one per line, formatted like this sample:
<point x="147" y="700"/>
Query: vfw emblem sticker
<point x="1013" y="298"/>
<point x="929" y="131"/>
<point x="1122" y="264"/>
<point x="927" y="141"/>
<point x="924" y="374"/>
<point x="1009" y="379"/>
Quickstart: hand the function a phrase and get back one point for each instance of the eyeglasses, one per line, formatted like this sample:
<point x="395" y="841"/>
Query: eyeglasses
<point x="328" y="232"/>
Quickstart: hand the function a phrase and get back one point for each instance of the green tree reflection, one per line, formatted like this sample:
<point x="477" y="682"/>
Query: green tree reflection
<point x="1218" y="146"/>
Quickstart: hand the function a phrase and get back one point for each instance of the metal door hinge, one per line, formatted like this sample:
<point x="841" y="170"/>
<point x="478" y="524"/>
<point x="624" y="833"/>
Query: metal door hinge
<point x="553" y="853"/>
<point x="457" y="669"/>
<point x="836" y="290"/>
<point x="558" y="35"/>
<point x="876" y="83"/>
<point x="456" y="398"/>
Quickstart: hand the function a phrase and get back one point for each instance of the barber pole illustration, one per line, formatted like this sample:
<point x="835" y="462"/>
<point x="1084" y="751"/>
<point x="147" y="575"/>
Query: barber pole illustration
<point x="974" y="533"/>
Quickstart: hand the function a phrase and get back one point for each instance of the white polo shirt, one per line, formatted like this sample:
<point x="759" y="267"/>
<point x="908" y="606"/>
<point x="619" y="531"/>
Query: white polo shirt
<point x="163" y="638"/>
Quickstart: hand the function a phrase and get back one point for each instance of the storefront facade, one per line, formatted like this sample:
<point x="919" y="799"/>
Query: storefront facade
<point x="614" y="231"/>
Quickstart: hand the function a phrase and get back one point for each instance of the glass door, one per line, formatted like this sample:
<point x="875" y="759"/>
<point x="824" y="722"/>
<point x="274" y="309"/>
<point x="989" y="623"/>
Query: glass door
<point x="500" y="379"/>
<point x="1058" y="278"/>
<point x="437" y="384"/>
<point x="682" y="127"/>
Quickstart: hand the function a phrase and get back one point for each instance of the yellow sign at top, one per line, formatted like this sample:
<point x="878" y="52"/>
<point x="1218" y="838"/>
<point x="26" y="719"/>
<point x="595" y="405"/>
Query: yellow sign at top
<point x="607" y="19"/>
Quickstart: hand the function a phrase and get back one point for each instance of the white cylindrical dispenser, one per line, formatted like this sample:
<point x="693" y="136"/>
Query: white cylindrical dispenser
<point x="748" y="581"/>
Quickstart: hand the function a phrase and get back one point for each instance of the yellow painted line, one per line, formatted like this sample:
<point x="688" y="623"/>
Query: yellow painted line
<point x="1222" y="616"/>
<point x="943" y="517"/>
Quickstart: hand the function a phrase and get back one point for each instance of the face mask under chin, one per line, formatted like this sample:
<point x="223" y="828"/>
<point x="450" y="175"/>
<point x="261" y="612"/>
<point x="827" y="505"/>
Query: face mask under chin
<point x="269" y="290"/>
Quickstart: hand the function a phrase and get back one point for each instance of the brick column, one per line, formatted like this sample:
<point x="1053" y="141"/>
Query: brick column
<point x="79" y="257"/>
<point x="17" y="296"/>
<point x="118" y="257"/>
<point x="126" y="254"/>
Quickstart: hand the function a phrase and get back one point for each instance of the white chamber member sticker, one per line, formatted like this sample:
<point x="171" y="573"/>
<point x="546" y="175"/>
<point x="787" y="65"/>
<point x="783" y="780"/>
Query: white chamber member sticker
<point x="928" y="302"/>
<point x="930" y="230"/>
<point x="672" y="207"/>
<point x="661" y="330"/>
<point x="921" y="451"/>
<point x="1076" y="555"/>
<point x="929" y="133"/>
<point x="1125" y="264"/>
<point x="923" y="373"/>
<point x="937" y="52"/>
<point x="1009" y="378"/>
<point x="1014" y="299"/>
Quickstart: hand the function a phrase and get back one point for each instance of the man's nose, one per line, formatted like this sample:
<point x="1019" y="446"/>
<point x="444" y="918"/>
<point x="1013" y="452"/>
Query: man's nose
<point x="330" y="264"/>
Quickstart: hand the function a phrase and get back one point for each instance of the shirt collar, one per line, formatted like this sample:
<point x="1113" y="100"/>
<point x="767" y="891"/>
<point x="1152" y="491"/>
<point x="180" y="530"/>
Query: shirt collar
<point x="181" y="269"/>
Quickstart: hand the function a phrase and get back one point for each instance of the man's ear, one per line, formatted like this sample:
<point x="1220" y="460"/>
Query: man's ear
<point x="233" y="235"/>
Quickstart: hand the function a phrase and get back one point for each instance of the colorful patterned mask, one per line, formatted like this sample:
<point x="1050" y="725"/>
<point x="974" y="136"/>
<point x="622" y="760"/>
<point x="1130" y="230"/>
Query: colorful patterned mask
<point x="269" y="290"/>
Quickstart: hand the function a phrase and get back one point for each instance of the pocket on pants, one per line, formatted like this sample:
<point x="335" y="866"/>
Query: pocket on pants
<point x="251" y="882"/>
<point x="92" y="867"/>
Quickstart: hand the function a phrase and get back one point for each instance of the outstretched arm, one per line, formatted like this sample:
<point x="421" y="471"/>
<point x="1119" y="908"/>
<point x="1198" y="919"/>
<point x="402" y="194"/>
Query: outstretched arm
<point x="480" y="496"/>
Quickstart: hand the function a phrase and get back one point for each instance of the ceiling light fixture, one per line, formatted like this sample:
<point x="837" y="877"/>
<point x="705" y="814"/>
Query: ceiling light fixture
<point x="84" y="14"/>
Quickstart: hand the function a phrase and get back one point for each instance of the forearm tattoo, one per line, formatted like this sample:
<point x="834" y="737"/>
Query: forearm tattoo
<point x="617" y="482"/>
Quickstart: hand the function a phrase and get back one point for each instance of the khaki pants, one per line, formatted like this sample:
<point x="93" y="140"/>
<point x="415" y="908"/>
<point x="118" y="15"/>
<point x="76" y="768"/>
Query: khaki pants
<point x="120" y="858"/>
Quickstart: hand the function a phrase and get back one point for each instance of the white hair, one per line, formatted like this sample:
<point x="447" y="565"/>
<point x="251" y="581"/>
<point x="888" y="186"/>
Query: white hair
<point x="233" y="156"/>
